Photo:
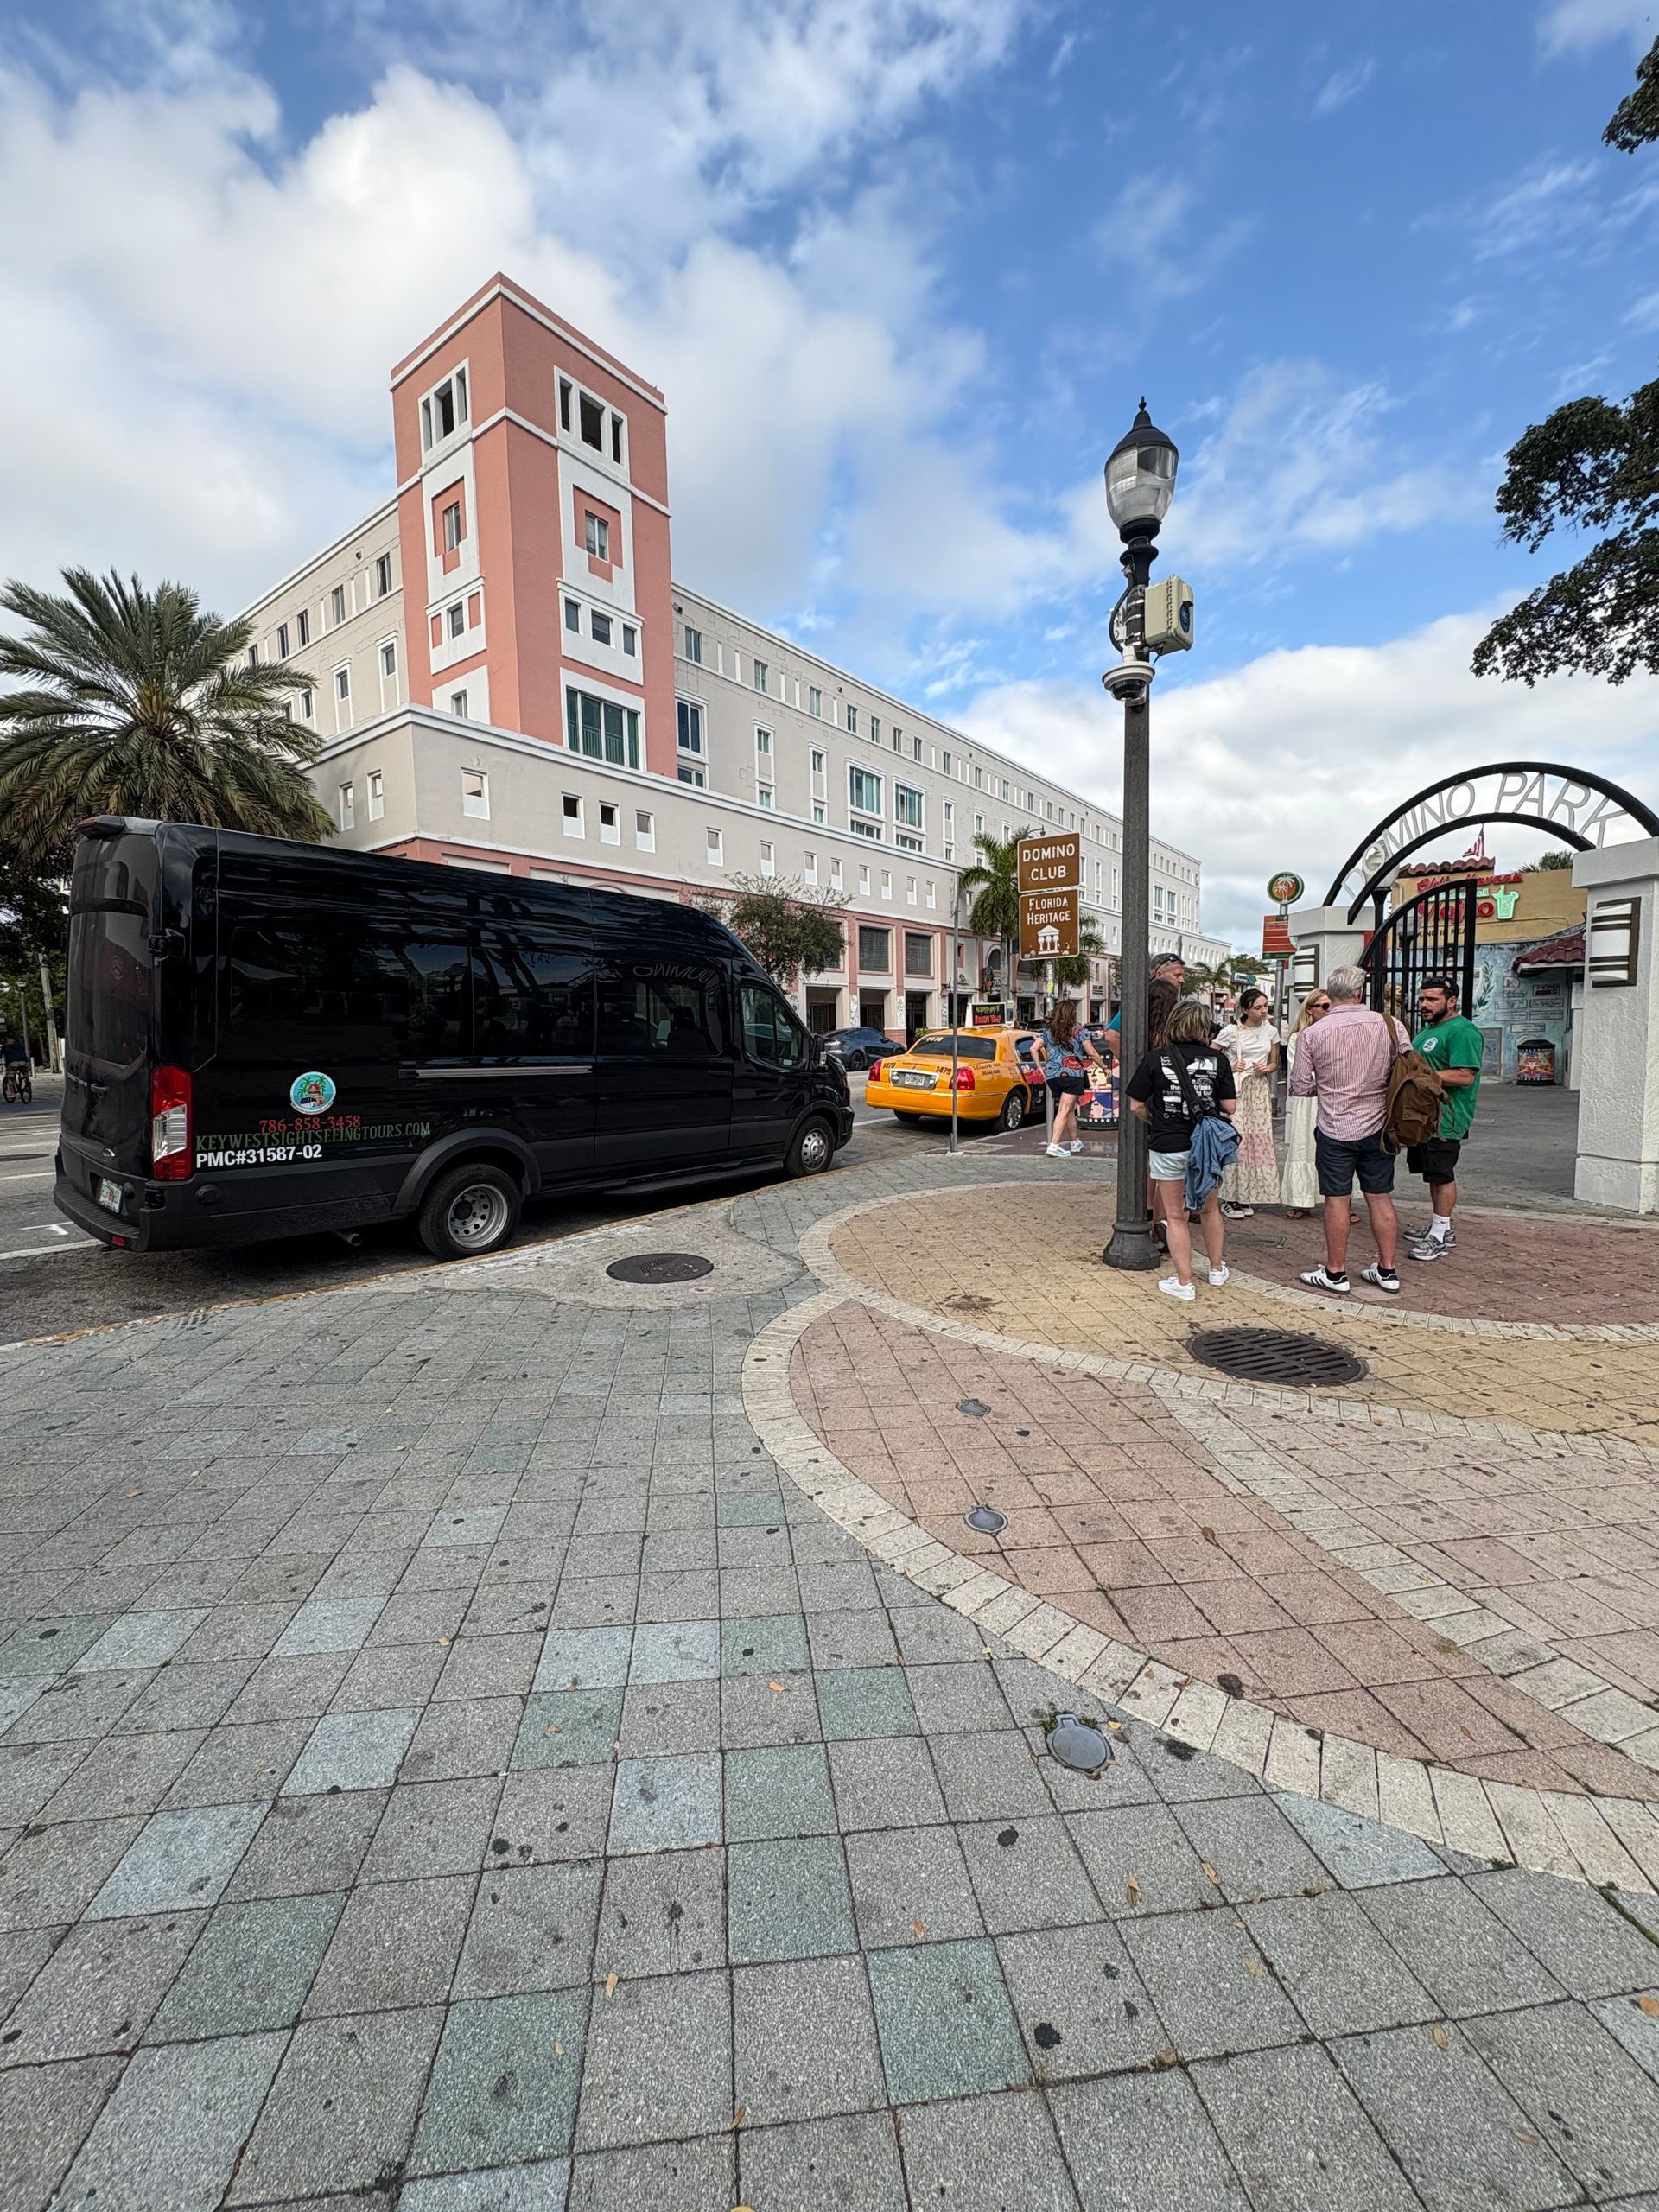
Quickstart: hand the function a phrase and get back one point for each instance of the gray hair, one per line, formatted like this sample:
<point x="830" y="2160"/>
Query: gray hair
<point x="1346" y="983"/>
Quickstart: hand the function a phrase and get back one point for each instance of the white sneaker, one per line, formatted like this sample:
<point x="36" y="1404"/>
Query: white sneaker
<point x="1219" y="1276"/>
<point x="1057" y="1152"/>
<point x="1077" y="1144"/>
<point x="1320" y="1278"/>
<point x="1172" y="1287"/>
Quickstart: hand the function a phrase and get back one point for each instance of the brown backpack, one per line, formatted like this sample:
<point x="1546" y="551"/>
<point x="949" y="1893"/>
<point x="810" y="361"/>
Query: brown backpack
<point x="1415" y="1096"/>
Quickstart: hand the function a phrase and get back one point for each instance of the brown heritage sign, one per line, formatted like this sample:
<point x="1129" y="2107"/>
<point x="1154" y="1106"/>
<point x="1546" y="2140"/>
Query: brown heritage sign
<point x="1050" y="863"/>
<point x="1048" y="924"/>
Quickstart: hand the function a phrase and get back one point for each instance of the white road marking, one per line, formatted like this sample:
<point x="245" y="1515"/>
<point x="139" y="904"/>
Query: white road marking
<point x="38" y="1175"/>
<point x="40" y="1251"/>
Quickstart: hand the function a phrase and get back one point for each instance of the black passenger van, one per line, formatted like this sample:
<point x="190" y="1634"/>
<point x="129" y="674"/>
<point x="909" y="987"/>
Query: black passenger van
<point x="266" y="1038"/>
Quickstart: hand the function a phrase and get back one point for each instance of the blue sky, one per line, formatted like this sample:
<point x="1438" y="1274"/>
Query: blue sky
<point x="903" y="267"/>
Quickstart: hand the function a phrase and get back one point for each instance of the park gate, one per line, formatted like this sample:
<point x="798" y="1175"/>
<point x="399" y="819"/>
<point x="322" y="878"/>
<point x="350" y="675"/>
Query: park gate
<point x="1432" y="934"/>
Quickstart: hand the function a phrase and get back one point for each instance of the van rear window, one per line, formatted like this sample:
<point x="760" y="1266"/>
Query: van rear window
<point x="110" y="976"/>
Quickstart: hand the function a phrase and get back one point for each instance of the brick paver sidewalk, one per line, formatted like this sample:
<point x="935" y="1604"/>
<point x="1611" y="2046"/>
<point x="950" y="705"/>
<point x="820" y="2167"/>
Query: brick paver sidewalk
<point x="448" y="1764"/>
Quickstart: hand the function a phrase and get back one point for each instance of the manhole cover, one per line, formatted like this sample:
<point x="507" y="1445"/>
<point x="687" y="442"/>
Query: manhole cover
<point x="1275" y="1355"/>
<point x="986" y="1520"/>
<point x="661" y="1267"/>
<point x="1075" y="1743"/>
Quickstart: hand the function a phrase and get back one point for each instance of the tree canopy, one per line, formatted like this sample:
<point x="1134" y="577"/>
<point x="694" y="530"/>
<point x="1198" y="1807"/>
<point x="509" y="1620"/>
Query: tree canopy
<point x="788" y="928"/>
<point x="1593" y="464"/>
<point x="130" y="700"/>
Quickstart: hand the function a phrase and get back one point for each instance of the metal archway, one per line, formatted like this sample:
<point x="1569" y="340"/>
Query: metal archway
<point x="1575" y="806"/>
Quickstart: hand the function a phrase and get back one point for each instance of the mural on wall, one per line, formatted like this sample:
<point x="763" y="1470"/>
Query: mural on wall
<point x="1510" y="1009"/>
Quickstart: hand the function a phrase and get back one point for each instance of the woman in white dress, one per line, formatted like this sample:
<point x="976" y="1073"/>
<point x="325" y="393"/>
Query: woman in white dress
<point x="1253" y="1178"/>
<point x="1300" y="1181"/>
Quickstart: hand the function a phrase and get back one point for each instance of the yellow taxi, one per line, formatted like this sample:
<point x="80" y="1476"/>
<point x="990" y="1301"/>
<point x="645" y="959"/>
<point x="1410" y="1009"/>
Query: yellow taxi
<point x="998" y="1079"/>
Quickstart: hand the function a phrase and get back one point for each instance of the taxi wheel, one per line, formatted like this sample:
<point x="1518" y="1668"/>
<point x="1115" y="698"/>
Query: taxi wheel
<point x="899" y="1116"/>
<point x="1013" y="1116"/>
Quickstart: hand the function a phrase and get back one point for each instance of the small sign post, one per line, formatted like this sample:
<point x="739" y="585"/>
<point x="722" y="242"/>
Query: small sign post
<point x="1051" y="891"/>
<point x="1284" y="889"/>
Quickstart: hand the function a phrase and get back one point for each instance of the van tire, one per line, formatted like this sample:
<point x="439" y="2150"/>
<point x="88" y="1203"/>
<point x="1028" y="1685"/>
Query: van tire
<point x="471" y="1211"/>
<point x="813" y="1150"/>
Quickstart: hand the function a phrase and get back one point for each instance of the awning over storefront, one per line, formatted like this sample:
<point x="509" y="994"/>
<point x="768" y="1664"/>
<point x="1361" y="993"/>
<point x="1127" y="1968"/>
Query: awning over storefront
<point x="1564" y="952"/>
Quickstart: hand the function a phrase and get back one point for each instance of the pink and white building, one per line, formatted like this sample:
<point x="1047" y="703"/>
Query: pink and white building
<point x="507" y="676"/>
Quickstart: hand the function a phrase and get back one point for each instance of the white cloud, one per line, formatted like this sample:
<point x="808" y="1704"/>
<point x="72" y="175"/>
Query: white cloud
<point x="1342" y="86"/>
<point x="1298" y="460"/>
<point x="1289" y="761"/>
<point x="214" y="305"/>
<point x="1155" y="230"/>
<point x="1574" y="26"/>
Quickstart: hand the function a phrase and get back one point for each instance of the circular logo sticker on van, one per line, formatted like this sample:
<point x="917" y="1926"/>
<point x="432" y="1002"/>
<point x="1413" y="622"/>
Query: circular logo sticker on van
<point x="311" y="1094"/>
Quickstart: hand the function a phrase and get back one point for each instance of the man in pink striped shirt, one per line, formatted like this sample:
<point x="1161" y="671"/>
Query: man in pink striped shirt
<point x="1344" y="1062"/>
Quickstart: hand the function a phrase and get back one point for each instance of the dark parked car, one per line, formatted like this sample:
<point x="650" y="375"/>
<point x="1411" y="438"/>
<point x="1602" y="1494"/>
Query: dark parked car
<point x="856" y="1048"/>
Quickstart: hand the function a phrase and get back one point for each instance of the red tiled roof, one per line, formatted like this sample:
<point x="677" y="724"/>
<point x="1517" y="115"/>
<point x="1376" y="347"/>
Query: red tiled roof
<point x="1564" y="952"/>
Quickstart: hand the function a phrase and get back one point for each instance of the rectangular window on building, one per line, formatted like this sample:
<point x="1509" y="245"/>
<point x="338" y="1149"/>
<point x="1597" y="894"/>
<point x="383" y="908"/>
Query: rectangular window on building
<point x="307" y="705"/>
<point x="596" y="535"/>
<point x="337" y="605"/>
<point x="282" y="641"/>
<point x="714" y="848"/>
<point x="816" y="759"/>
<point x="600" y="626"/>
<point x="695" y="777"/>
<point x="887" y="883"/>
<point x="863" y="791"/>
<point x="347" y="808"/>
<point x="452" y="526"/>
<point x="457" y="619"/>
<point x="767" y="863"/>
<point x="944" y="762"/>
<point x="458" y="706"/>
<point x="918" y="952"/>
<point x="863" y="882"/>
<point x="876" y="729"/>
<point x="564" y="403"/>
<point x="915" y="748"/>
<point x="590" y="419"/>
<point x="814" y="700"/>
<point x="610" y="823"/>
<point x="382" y="574"/>
<point x="342" y="683"/>
<point x="302" y="625"/>
<point x="910" y="891"/>
<point x="835" y="880"/>
<point x="389" y="659"/>
<point x="253" y="656"/>
<point x="760" y="674"/>
<point x="852" y="719"/>
<point x="809" y="868"/>
<point x="907" y="806"/>
<point x="820" y="812"/>
<point x="763" y="743"/>
<point x="874" y="949"/>
<point x="690" y="726"/>
<point x="572" y="815"/>
<point x="475" y="793"/>
<point x="933" y="892"/>
<point x="694" y="644"/>
<point x="644" y="830"/>
<point x="630" y="639"/>
<point x="602" y="729"/>
<point x="573" y="616"/>
<point x="377" y="795"/>
<point x="616" y="440"/>
<point x="763" y="795"/>
<point x="898" y="740"/>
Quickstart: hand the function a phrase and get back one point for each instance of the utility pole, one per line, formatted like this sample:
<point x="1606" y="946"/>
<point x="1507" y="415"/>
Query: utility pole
<point x="54" y="1058"/>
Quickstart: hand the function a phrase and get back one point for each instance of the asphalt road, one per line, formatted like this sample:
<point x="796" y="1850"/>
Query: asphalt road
<point x="54" y="1277"/>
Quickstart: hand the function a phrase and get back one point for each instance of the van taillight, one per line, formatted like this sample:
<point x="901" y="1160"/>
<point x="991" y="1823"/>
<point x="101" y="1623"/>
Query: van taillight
<point x="169" y="1125"/>
<point x="965" y="1080"/>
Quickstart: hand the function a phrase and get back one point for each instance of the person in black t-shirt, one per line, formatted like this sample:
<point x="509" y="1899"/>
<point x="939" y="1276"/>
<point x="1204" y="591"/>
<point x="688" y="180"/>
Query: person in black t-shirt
<point x="1156" y="1094"/>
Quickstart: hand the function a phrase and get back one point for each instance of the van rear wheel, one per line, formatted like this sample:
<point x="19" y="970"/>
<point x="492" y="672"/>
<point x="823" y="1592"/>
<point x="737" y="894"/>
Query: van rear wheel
<point x="469" y="1211"/>
<point x="813" y="1151"/>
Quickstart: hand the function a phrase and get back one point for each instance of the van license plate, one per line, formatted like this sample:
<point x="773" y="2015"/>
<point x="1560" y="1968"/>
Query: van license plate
<point x="109" y="1194"/>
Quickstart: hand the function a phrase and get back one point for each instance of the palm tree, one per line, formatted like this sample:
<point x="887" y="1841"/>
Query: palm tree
<point x="993" y="878"/>
<point x="133" y="702"/>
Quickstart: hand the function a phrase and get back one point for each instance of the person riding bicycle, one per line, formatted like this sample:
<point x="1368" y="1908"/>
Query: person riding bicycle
<point x="12" y="1054"/>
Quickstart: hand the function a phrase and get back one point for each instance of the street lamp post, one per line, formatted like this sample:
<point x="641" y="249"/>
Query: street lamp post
<point x="1140" y="483"/>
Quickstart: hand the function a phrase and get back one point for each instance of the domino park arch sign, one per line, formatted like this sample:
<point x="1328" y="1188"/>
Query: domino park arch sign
<point x="1583" y="809"/>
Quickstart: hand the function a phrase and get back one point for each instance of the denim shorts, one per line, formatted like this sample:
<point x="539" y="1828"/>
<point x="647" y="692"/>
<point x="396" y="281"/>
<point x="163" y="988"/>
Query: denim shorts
<point x="1166" y="1166"/>
<point x="1340" y="1159"/>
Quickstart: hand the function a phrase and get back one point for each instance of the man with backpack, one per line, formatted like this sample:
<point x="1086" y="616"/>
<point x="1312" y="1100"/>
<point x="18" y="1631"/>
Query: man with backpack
<point x="1356" y="1064"/>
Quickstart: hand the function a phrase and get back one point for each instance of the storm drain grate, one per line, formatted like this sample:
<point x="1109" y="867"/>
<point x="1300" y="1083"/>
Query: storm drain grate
<point x="1275" y="1355"/>
<point x="661" y="1267"/>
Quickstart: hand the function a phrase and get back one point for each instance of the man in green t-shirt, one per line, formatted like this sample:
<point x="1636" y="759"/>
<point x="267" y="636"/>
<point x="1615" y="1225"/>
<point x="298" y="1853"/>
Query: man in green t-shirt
<point x="1452" y="1047"/>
